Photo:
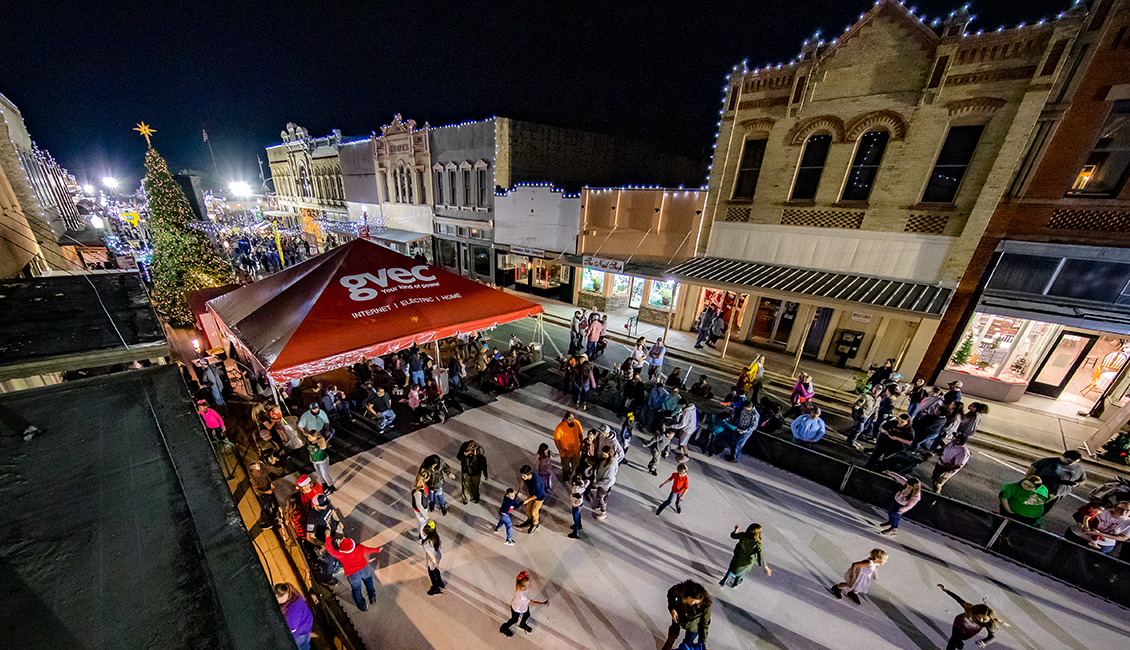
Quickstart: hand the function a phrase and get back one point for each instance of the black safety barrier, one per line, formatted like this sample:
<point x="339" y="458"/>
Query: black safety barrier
<point x="814" y="466"/>
<point x="1075" y="564"/>
<point x="1082" y="567"/>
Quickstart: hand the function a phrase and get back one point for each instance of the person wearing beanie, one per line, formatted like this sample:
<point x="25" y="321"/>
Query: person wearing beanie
<point x="308" y="488"/>
<point x="356" y="566"/>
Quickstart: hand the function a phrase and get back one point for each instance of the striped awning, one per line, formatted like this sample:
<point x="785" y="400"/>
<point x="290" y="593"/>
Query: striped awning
<point x="900" y="295"/>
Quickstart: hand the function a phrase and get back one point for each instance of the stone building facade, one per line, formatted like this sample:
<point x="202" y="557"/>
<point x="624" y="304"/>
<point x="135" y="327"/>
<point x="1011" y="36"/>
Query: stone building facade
<point x="850" y="187"/>
<point x="38" y="201"/>
<point x="1043" y="306"/>
<point x="308" y="179"/>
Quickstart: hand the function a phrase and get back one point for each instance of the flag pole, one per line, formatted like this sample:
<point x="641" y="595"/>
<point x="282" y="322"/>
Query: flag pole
<point x="215" y="167"/>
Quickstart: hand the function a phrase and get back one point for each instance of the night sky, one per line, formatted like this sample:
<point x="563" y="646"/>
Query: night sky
<point x="83" y="74"/>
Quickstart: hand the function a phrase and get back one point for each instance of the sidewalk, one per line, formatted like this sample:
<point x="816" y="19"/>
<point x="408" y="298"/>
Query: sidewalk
<point x="1016" y="425"/>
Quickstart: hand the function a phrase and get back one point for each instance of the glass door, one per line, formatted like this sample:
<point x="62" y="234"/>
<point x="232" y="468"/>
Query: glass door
<point x="1066" y="355"/>
<point x="635" y="298"/>
<point x="785" y="323"/>
<point x="765" y="318"/>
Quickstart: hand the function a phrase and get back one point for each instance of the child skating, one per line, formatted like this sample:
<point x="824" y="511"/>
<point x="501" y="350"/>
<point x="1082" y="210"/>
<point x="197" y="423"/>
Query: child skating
<point x="577" y="492"/>
<point x="859" y="576"/>
<point x="520" y="606"/>
<point x="970" y="622"/>
<point x="504" y="510"/>
<point x="679" y="484"/>
<point x="746" y="553"/>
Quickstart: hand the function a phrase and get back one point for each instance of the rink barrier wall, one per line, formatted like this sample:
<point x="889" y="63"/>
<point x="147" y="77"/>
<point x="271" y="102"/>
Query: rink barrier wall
<point x="1081" y="567"/>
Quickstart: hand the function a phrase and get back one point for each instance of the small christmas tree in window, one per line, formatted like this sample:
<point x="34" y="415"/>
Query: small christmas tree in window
<point x="964" y="351"/>
<point x="1117" y="449"/>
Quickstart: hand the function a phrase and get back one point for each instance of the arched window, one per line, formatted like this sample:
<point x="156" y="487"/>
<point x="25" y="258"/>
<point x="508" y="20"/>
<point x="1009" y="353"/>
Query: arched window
<point x="303" y="182"/>
<point x="340" y="189"/>
<point x="811" y="167"/>
<point x="865" y="166"/>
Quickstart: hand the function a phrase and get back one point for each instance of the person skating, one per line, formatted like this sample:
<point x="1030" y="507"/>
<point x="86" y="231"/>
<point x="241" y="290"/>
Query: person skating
<point x="577" y="490"/>
<point x="535" y="490"/>
<point x="679" y="484"/>
<point x="438" y="473"/>
<point x="659" y="444"/>
<point x="901" y="503"/>
<point x="604" y="476"/>
<point x="543" y="465"/>
<point x="504" y="512"/>
<point x="356" y="566"/>
<point x="858" y="578"/>
<point x="520" y="606"/>
<point x="432" y="556"/>
<point x="689" y="606"/>
<point x="567" y="436"/>
<point x="297" y="614"/>
<point x="421" y="500"/>
<point x="746" y="553"/>
<point x="970" y="622"/>
<point x="473" y="469"/>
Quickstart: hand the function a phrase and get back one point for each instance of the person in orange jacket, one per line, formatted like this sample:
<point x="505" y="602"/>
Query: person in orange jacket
<point x="568" y="436"/>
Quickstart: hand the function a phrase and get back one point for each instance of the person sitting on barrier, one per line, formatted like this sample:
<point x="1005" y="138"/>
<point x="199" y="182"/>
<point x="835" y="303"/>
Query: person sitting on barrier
<point x="1024" y="500"/>
<point x="970" y="622"/>
<point x="702" y="388"/>
<point x="1104" y="530"/>
<point x="716" y="427"/>
<point x="954" y="456"/>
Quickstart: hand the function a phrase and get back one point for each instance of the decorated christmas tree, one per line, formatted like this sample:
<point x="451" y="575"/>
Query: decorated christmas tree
<point x="183" y="257"/>
<point x="964" y="351"/>
<point x="1117" y="449"/>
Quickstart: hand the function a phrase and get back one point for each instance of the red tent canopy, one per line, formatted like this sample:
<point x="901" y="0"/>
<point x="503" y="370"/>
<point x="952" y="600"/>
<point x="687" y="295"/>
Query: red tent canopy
<point x="360" y="300"/>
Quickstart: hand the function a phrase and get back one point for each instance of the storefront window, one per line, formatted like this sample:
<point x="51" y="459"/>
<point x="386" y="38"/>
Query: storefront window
<point x="621" y="284"/>
<point x="516" y="265"/>
<point x="592" y="281"/>
<point x="447" y="255"/>
<point x="549" y="275"/>
<point x="482" y="260"/>
<point x="1002" y="348"/>
<point x="662" y="294"/>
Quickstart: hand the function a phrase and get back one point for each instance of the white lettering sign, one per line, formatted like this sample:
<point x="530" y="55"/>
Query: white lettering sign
<point x="601" y="264"/>
<point x="358" y="291"/>
<point x="861" y="318"/>
<point x="528" y="252"/>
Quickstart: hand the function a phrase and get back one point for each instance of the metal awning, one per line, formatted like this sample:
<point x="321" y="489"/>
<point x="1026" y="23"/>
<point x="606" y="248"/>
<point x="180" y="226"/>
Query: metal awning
<point x="398" y="236"/>
<point x="885" y="293"/>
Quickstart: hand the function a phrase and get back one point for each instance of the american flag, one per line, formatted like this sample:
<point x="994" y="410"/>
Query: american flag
<point x="205" y="135"/>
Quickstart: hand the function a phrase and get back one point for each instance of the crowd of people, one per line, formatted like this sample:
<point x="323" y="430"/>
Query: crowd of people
<point x="661" y="413"/>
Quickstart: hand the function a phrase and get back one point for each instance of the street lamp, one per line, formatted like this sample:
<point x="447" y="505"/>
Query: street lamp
<point x="110" y="182"/>
<point x="97" y="222"/>
<point x="88" y="189"/>
<point x="240" y="188"/>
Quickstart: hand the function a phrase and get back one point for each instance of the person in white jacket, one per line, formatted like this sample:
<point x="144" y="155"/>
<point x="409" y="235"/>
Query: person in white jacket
<point x="604" y="476"/>
<point x="686" y="426"/>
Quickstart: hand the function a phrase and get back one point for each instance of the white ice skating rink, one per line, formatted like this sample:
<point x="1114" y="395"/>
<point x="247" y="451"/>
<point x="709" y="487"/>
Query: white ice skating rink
<point x="608" y="590"/>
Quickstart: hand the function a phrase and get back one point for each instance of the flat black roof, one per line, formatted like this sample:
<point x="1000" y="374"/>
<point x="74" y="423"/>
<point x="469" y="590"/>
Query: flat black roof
<point x="83" y="317"/>
<point x="117" y="529"/>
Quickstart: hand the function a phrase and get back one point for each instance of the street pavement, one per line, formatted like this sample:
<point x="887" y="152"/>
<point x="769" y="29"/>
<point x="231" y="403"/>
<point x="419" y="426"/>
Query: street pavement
<point x="608" y="589"/>
<point x="978" y="483"/>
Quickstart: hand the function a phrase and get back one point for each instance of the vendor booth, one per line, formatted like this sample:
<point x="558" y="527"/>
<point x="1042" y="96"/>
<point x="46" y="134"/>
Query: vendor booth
<point x="358" y="301"/>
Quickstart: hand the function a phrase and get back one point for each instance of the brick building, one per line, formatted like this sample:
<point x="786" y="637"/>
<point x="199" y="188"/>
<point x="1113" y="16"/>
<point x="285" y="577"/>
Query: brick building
<point x="1044" y="302"/>
<point x="308" y="181"/>
<point x="850" y="187"/>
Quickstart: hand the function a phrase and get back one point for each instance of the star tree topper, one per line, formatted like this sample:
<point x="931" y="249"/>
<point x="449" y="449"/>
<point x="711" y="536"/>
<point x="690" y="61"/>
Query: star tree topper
<point x="146" y="131"/>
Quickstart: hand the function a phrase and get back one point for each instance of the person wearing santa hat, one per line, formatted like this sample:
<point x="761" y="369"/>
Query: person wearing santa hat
<point x="357" y="570"/>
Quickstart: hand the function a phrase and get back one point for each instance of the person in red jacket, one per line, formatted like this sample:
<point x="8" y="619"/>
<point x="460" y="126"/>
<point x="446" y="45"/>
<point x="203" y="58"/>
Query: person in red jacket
<point x="356" y="566"/>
